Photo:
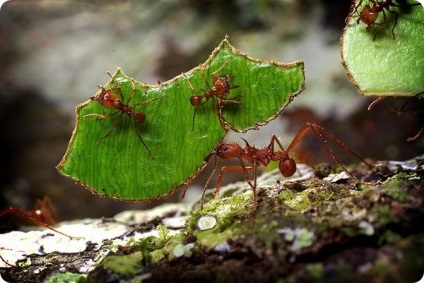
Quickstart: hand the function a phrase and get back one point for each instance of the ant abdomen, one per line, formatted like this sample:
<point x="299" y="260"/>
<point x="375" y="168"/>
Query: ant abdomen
<point x="139" y="117"/>
<point x="287" y="167"/>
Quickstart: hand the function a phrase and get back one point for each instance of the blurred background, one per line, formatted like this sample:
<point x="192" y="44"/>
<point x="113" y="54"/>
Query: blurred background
<point x="54" y="53"/>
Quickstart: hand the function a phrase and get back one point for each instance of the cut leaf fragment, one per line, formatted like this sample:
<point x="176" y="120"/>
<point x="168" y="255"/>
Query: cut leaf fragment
<point x="120" y="166"/>
<point x="386" y="66"/>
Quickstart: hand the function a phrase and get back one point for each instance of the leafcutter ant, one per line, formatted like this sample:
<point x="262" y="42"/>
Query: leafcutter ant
<point x="110" y="99"/>
<point x="218" y="92"/>
<point x="370" y="12"/>
<point x="263" y="156"/>
<point x="43" y="215"/>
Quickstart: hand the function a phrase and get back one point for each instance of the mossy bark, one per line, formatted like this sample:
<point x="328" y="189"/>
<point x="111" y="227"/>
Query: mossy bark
<point x="304" y="230"/>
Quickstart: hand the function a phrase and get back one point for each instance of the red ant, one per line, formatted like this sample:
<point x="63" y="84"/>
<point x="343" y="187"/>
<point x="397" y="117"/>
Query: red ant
<point x="263" y="156"/>
<point x="43" y="215"/>
<point x="369" y="13"/>
<point x="109" y="99"/>
<point x="220" y="90"/>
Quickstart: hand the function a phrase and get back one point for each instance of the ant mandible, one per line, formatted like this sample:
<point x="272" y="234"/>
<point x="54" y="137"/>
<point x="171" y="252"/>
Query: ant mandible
<point x="43" y="214"/>
<point x="220" y="90"/>
<point x="109" y="99"/>
<point x="369" y="13"/>
<point x="263" y="156"/>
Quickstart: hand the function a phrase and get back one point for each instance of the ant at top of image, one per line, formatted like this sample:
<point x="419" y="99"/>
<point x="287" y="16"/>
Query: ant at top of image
<point x="370" y="13"/>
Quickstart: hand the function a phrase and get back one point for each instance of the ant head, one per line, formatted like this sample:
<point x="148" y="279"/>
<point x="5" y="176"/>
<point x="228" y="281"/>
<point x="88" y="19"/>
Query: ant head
<point x="287" y="166"/>
<point x="196" y="100"/>
<point x="228" y="150"/>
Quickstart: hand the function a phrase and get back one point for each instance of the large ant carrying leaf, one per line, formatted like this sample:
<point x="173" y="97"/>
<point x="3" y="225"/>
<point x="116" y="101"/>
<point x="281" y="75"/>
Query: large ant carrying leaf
<point x="263" y="156"/>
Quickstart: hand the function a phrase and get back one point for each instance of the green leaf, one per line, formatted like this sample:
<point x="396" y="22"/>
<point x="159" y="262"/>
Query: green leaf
<point x="386" y="66"/>
<point x="120" y="166"/>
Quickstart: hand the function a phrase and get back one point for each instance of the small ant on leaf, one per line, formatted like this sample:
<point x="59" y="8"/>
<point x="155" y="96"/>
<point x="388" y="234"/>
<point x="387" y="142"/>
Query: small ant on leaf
<point x="43" y="214"/>
<point x="370" y="12"/>
<point x="218" y="92"/>
<point x="109" y="99"/>
<point x="263" y="156"/>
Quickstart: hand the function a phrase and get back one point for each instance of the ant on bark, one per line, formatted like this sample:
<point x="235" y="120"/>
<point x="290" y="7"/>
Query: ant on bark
<point x="109" y="99"/>
<point x="43" y="214"/>
<point x="369" y="13"/>
<point x="263" y="156"/>
<point x="220" y="90"/>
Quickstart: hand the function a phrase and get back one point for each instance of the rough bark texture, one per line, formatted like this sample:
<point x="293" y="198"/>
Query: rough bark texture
<point x="309" y="229"/>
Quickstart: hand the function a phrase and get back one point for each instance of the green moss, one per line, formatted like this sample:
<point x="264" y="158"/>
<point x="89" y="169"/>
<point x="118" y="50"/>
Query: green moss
<point x="68" y="277"/>
<point x="384" y="214"/>
<point x="150" y="244"/>
<point x="389" y="237"/>
<point x="300" y="237"/>
<point x="316" y="270"/>
<point x="394" y="190"/>
<point x="123" y="264"/>
<point x="296" y="201"/>
<point x="183" y="250"/>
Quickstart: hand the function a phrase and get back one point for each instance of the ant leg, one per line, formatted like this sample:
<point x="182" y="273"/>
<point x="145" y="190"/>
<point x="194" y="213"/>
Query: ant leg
<point x="132" y="92"/>
<point x="416" y="136"/>
<point x="113" y="126"/>
<point x="396" y="20"/>
<point x="318" y="131"/>
<point x="217" y="108"/>
<point x="403" y="110"/>
<point x="28" y="217"/>
<point x="7" y="263"/>
<point x="273" y="140"/>
<point x="382" y="25"/>
<point x="194" y="116"/>
<point x="216" y="77"/>
<point x="207" y="161"/>
<point x="148" y="101"/>
<point x="193" y="88"/>
<point x="101" y="116"/>
<point x="139" y="136"/>
<point x="45" y="209"/>
<point x="243" y="169"/>
<point x="372" y="104"/>
<point x="207" y="182"/>
<point x="224" y="100"/>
